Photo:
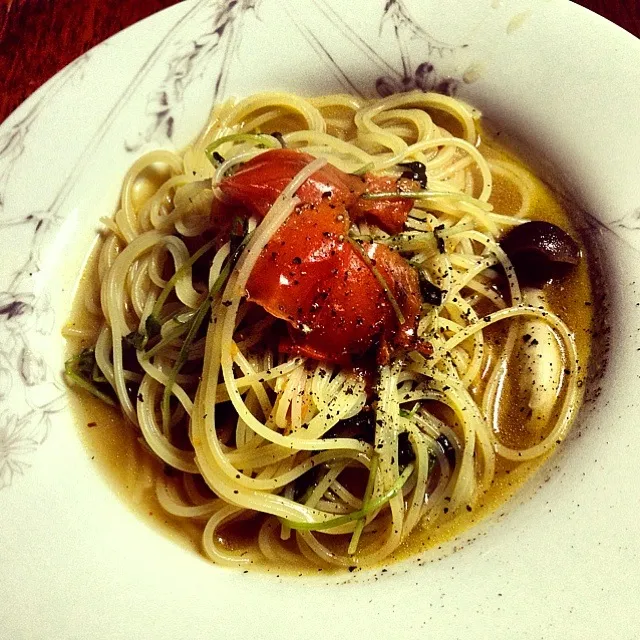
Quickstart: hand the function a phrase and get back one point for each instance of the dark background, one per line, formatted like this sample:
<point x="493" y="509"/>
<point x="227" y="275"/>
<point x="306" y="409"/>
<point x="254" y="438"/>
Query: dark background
<point x="39" y="37"/>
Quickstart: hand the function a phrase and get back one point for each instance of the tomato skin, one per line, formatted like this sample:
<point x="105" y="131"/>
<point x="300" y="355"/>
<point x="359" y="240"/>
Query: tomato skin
<point x="258" y="183"/>
<point x="403" y="281"/>
<point x="297" y="260"/>
<point x="348" y="315"/>
<point x="312" y="277"/>
<point x="390" y="214"/>
<point x="262" y="179"/>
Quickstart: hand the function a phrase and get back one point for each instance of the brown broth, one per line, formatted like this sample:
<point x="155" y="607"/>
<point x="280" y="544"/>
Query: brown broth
<point x="130" y="469"/>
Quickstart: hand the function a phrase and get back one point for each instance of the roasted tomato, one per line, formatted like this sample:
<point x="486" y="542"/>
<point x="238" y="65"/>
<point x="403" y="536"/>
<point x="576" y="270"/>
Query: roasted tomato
<point x="389" y="214"/>
<point x="261" y="180"/>
<point x="311" y="276"/>
<point x="294" y="265"/>
<point x="353" y="312"/>
<point x="306" y="276"/>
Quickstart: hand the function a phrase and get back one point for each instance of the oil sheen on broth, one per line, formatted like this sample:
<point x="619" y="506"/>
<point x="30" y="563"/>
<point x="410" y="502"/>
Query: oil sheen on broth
<point x="130" y="468"/>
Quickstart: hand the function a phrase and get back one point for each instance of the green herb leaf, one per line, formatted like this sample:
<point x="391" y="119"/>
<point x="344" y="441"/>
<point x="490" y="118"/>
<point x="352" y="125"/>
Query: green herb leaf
<point x="80" y="371"/>
<point x="152" y="326"/>
<point x="412" y="195"/>
<point x="136" y="339"/>
<point x="372" y="506"/>
<point x="152" y="321"/>
<point x="194" y="326"/>
<point x="167" y="339"/>
<point x="368" y="492"/>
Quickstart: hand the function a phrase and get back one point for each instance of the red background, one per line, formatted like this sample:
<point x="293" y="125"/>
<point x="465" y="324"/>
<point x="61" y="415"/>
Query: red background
<point x="39" y="37"/>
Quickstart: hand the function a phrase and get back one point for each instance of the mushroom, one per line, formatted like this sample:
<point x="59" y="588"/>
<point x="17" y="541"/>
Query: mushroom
<point x="540" y="251"/>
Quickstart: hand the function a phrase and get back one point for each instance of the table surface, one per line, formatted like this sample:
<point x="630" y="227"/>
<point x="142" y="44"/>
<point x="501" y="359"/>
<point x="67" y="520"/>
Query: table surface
<point x="39" y="37"/>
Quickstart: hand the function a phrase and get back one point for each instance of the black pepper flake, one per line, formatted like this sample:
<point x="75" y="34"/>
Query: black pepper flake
<point x="227" y="303"/>
<point x="297" y="260"/>
<point x="439" y="240"/>
<point x="92" y="424"/>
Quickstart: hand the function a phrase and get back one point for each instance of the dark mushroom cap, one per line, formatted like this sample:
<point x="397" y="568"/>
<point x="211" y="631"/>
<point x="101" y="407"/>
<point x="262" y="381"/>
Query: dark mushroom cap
<point x="540" y="251"/>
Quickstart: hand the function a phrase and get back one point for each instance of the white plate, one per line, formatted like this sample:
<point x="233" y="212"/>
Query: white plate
<point x="560" y="561"/>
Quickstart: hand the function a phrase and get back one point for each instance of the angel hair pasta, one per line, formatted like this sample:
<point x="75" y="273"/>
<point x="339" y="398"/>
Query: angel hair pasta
<point x="330" y="323"/>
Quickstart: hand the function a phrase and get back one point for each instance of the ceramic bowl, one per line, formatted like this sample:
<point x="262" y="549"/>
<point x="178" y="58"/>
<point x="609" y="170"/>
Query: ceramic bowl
<point x="559" y="560"/>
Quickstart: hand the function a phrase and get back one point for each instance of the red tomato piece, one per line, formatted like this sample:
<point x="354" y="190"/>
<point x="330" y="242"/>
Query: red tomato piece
<point x="312" y="277"/>
<point x="297" y="260"/>
<point x="262" y="179"/>
<point x="316" y="281"/>
<point x="402" y="280"/>
<point x="390" y="214"/>
<point x="349" y="314"/>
